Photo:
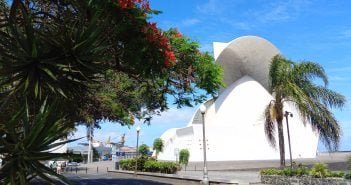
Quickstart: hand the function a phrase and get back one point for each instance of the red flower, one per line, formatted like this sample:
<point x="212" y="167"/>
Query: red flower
<point x="178" y="35"/>
<point x="170" y="55"/>
<point x="126" y="3"/>
<point x="170" y="58"/>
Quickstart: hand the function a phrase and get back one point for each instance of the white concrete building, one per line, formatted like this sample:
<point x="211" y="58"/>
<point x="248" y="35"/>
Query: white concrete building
<point x="235" y="120"/>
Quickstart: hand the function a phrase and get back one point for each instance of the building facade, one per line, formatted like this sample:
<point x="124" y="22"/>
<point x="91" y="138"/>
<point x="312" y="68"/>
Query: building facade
<point x="235" y="119"/>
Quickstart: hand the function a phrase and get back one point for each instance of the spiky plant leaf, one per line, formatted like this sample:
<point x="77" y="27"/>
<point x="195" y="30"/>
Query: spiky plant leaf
<point x="28" y="141"/>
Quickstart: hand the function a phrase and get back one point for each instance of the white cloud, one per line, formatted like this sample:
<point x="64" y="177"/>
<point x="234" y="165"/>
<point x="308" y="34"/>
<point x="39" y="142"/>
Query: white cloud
<point x="341" y="69"/>
<point x="338" y="78"/>
<point x="174" y="115"/>
<point x="190" y="22"/>
<point x="211" y="7"/>
<point x="345" y="34"/>
<point x="281" y="11"/>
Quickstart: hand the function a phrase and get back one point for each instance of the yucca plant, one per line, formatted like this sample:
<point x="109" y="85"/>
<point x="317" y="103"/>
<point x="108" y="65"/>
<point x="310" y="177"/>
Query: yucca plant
<point x="26" y="141"/>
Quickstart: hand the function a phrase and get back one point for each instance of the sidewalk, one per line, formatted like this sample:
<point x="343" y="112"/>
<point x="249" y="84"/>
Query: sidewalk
<point x="244" y="172"/>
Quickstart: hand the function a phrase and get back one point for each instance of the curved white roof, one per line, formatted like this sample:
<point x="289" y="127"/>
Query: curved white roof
<point x="247" y="55"/>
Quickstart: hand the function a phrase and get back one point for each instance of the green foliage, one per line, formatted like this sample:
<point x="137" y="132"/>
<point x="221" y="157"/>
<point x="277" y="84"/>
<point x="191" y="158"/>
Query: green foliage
<point x="298" y="171"/>
<point x="295" y="82"/>
<point x="130" y="164"/>
<point x="319" y="170"/>
<point x="149" y="165"/>
<point x="160" y="166"/>
<point x="143" y="150"/>
<point x="158" y="146"/>
<point x="348" y="176"/>
<point x="90" y="60"/>
<point x="27" y="141"/>
<point x="271" y="171"/>
<point x="127" y="164"/>
<point x="96" y="57"/>
<point x="336" y="174"/>
<point x="184" y="155"/>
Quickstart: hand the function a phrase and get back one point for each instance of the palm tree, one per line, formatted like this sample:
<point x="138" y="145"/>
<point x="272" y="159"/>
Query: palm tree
<point x="158" y="146"/>
<point x="296" y="83"/>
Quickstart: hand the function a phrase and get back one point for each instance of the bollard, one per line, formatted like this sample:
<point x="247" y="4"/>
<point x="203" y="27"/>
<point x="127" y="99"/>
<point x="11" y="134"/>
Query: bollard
<point x="106" y="169"/>
<point x="86" y="170"/>
<point x="76" y="170"/>
<point x="195" y="167"/>
<point x="97" y="169"/>
<point x="71" y="169"/>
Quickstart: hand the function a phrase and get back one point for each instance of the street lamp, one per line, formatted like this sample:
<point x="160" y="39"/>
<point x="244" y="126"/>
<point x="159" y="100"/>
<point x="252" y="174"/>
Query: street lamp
<point x="137" y="150"/>
<point x="287" y="128"/>
<point x="205" y="180"/>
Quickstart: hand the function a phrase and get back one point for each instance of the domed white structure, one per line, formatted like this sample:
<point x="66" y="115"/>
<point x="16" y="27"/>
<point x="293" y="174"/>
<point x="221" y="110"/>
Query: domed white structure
<point x="235" y="120"/>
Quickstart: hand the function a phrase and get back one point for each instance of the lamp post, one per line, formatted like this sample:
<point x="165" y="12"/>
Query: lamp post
<point x="287" y="128"/>
<point x="137" y="151"/>
<point x="205" y="180"/>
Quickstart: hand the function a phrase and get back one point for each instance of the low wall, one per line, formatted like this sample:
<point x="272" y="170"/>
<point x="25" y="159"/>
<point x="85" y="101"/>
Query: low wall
<point x="283" y="180"/>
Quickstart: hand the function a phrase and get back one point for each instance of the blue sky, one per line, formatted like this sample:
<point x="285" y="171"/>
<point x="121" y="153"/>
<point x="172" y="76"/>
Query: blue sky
<point x="318" y="31"/>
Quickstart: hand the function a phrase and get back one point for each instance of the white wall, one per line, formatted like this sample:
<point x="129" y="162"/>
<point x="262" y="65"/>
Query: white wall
<point x="235" y="129"/>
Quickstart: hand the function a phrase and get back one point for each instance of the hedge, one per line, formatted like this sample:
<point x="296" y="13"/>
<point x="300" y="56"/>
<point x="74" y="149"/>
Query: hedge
<point x="149" y="165"/>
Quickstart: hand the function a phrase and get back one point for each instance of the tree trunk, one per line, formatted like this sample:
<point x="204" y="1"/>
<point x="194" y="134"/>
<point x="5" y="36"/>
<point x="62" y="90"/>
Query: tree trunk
<point x="279" y="119"/>
<point x="281" y="143"/>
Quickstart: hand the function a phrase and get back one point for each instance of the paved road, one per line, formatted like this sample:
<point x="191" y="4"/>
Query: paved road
<point x="102" y="179"/>
<point x="109" y="180"/>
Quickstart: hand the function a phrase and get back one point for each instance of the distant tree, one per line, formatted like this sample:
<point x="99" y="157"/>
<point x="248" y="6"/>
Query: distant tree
<point x="158" y="146"/>
<point x="143" y="150"/>
<point x="184" y="155"/>
<point x="294" y="83"/>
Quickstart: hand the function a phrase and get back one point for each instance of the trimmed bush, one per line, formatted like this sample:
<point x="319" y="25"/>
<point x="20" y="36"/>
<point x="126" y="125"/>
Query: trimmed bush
<point x="162" y="167"/>
<point x="271" y="171"/>
<point x="319" y="170"/>
<point x="149" y="165"/>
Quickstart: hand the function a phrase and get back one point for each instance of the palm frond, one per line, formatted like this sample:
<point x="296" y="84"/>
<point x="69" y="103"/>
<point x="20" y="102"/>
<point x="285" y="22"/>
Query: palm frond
<point x="269" y="125"/>
<point x="295" y="82"/>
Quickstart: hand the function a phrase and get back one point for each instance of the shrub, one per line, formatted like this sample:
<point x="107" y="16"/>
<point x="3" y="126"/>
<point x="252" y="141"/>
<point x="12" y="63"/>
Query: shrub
<point x="297" y="171"/>
<point x="149" y="165"/>
<point x="184" y="156"/>
<point x="127" y="164"/>
<point x="319" y="170"/>
<point x="271" y="171"/>
<point x="336" y="174"/>
<point x="347" y="176"/>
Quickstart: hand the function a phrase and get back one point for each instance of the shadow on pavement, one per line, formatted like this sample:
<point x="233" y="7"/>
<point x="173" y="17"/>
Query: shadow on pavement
<point x="103" y="181"/>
